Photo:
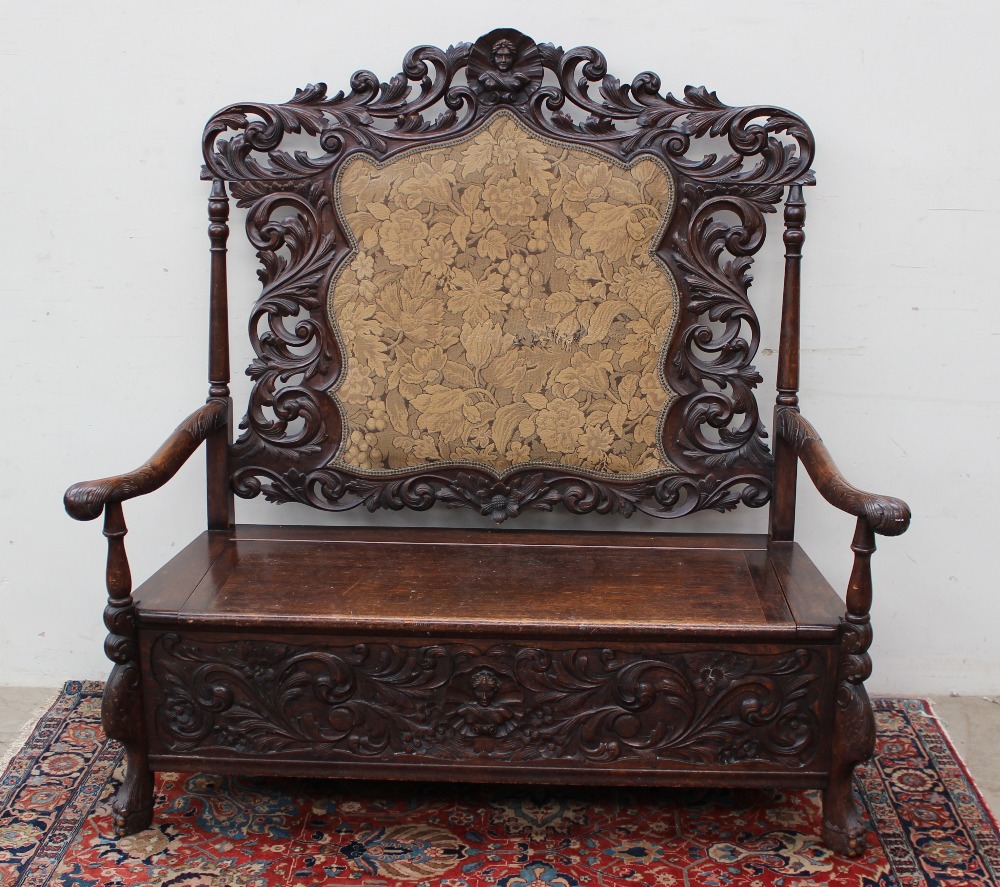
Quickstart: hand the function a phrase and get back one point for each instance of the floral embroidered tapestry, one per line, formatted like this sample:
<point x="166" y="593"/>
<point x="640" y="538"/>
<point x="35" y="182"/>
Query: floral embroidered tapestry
<point x="503" y="306"/>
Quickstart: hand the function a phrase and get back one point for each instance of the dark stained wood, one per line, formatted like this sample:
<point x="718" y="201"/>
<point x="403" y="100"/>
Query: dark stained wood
<point x="813" y="603"/>
<point x="884" y="514"/>
<point x="220" y="494"/>
<point x="516" y="774"/>
<point x="785" y="460"/>
<point x="122" y="703"/>
<point x="854" y="724"/>
<point x="769" y="592"/>
<point x="218" y="343"/>
<point x="712" y="432"/>
<point x="488" y="654"/>
<point x="413" y="587"/>
<point x="169" y="588"/>
<point x="86" y="500"/>
<point x="854" y="729"/>
<point x="471" y="704"/>
<point x="455" y="536"/>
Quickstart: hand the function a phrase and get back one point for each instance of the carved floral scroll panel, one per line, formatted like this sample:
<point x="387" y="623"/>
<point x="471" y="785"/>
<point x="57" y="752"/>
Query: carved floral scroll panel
<point x="712" y="432"/>
<point x="474" y="701"/>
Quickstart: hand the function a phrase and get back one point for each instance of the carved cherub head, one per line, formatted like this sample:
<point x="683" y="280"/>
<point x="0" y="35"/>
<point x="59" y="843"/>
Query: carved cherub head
<point x="505" y="67"/>
<point x="504" y="53"/>
<point x="485" y="684"/>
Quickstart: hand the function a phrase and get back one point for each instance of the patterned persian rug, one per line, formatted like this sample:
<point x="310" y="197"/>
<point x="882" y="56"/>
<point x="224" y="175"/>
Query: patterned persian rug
<point x="929" y="825"/>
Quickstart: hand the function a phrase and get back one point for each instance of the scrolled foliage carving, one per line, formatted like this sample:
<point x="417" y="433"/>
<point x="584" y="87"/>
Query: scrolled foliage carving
<point x="507" y="702"/>
<point x="501" y="499"/>
<point x="252" y="160"/>
<point x="295" y="239"/>
<point x="717" y="294"/>
<point x="712" y="431"/>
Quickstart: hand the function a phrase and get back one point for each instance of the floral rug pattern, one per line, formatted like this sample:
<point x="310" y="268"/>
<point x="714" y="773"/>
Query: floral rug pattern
<point x="931" y="828"/>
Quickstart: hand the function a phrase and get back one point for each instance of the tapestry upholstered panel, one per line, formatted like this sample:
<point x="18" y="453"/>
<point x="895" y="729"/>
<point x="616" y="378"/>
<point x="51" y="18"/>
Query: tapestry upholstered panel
<point x="503" y="305"/>
<point x="504" y="280"/>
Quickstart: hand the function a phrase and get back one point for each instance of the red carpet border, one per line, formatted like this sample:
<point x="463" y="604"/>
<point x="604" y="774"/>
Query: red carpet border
<point x="929" y="825"/>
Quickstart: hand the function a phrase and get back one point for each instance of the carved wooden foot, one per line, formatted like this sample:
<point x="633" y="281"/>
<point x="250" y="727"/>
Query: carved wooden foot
<point x="843" y="826"/>
<point x="121" y="714"/>
<point x="853" y="743"/>
<point x="132" y="809"/>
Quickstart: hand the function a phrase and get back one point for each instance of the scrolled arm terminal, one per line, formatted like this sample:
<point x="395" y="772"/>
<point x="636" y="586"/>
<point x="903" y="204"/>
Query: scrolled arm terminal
<point x="886" y="515"/>
<point x="87" y="499"/>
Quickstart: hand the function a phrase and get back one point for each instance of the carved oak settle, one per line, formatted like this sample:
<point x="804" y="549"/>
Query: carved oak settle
<point x="488" y="287"/>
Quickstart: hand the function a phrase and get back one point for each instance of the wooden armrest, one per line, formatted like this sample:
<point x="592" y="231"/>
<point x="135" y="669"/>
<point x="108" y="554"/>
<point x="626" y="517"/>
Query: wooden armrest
<point x="86" y="500"/>
<point x="884" y="514"/>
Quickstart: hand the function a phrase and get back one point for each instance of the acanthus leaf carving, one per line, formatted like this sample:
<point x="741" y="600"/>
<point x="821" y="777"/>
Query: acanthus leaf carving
<point x="712" y="432"/>
<point x="672" y="496"/>
<point x="506" y="702"/>
<point x="497" y="500"/>
<point x="718" y="292"/>
<point x="291" y="287"/>
<point x="660" y="123"/>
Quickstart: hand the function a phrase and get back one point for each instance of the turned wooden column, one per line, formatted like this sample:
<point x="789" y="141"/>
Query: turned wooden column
<point x="854" y="722"/>
<point x="220" y="495"/>
<point x="785" y="458"/>
<point x="121" y="706"/>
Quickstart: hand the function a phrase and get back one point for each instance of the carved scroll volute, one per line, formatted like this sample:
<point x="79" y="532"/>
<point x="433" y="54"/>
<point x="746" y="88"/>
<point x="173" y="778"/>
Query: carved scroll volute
<point x="121" y="707"/>
<point x="467" y="703"/>
<point x="718" y="337"/>
<point x="291" y="336"/>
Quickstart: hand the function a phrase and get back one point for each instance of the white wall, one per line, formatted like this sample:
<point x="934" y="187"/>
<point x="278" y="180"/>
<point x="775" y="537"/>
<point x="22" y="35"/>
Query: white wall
<point x="105" y="273"/>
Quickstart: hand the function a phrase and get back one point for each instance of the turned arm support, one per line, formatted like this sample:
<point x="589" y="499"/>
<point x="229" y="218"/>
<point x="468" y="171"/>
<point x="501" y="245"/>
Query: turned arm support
<point x="86" y="500"/>
<point x="884" y="514"/>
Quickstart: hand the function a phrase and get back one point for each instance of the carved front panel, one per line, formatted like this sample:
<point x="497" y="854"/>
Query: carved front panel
<point x="478" y="703"/>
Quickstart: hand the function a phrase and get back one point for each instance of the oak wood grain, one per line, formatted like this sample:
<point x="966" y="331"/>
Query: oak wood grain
<point x="415" y="582"/>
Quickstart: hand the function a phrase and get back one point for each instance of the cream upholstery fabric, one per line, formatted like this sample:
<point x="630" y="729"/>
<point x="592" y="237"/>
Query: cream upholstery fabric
<point x="503" y="307"/>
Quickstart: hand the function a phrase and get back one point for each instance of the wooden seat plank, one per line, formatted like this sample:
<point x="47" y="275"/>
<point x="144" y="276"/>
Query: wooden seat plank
<point x="439" y="582"/>
<point x="814" y="604"/>
<point x="168" y="588"/>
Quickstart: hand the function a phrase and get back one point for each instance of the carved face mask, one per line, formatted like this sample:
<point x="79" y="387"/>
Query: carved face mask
<point x="503" y="55"/>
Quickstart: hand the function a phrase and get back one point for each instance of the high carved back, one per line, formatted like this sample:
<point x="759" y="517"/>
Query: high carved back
<point x="486" y="286"/>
